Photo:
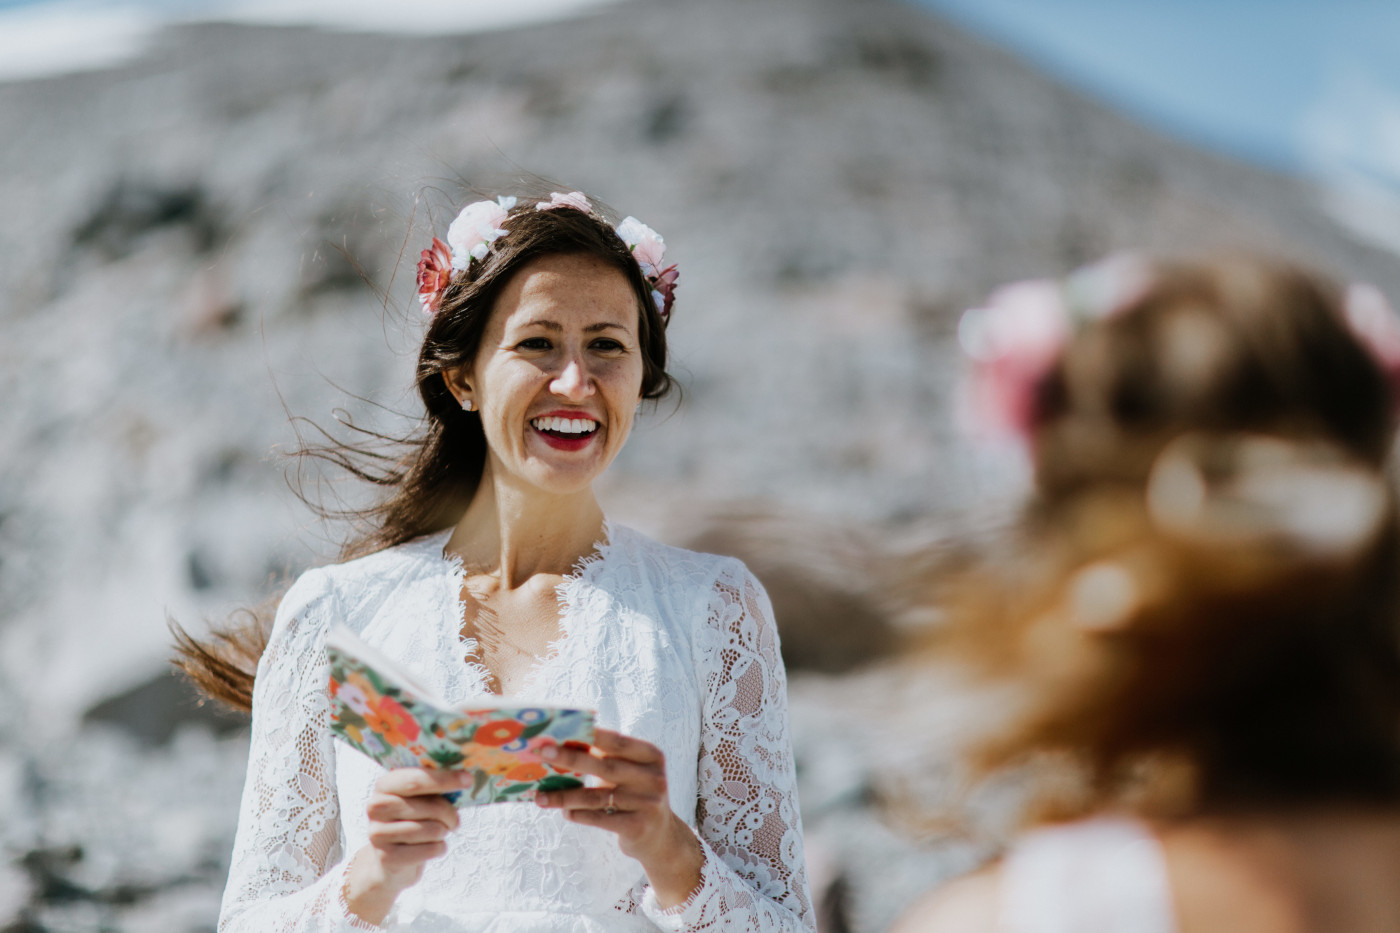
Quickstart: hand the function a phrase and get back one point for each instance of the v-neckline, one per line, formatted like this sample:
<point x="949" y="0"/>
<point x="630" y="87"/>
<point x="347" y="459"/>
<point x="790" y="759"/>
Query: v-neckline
<point x="584" y="571"/>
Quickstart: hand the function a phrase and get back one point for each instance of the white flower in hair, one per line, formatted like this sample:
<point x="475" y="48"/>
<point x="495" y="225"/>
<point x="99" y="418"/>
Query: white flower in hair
<point x="646" y="244"/>
<point x="575" y="199"/>
<point x="476" y="228"/>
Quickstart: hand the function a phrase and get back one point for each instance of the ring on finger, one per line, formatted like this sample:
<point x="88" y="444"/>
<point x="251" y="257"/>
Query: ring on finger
<point x="611" y="808"/>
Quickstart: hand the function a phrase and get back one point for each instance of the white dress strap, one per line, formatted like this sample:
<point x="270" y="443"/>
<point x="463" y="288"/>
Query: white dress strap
<point x="1102" y="875"/>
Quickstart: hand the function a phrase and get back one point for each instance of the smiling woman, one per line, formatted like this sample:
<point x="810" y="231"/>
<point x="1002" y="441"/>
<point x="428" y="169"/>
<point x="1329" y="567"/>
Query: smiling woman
<point x="489" y="569"/>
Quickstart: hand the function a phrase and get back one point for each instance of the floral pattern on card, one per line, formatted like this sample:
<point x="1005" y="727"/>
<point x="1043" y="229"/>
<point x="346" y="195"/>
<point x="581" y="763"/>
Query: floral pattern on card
<point x="386" y="721"/>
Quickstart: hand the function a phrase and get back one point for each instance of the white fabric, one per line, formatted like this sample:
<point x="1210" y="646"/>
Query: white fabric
<point x="671" y="646"/>
<point x="1103" y="875"/>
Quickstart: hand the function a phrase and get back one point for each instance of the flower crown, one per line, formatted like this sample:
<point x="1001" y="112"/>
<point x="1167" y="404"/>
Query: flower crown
<point x="1015" y="338"/>
<point x="481" y="223"/>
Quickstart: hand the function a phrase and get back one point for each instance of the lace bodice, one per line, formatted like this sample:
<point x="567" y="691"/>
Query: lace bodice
<point x="671" y="646"/>
<point x="1102" y="875"/>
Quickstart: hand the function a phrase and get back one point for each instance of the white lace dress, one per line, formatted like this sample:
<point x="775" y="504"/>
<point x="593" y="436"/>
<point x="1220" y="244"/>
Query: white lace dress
<point x="671" y="646"/>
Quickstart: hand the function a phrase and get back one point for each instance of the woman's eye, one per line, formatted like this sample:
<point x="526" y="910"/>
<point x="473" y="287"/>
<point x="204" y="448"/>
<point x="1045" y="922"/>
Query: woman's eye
<point x="535" y="343"/>
<point x="607" y="345"/>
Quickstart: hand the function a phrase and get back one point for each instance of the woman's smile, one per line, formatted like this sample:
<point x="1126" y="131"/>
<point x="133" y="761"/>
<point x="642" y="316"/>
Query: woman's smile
<point x="566" y="430"/>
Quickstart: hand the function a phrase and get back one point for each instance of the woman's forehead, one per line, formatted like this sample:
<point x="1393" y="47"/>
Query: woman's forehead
<point x="567" y="291"/>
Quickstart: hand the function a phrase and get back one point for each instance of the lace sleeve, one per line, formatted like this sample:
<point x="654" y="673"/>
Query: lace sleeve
<point x="754" y="878"/>
<point x="286" y="876"/>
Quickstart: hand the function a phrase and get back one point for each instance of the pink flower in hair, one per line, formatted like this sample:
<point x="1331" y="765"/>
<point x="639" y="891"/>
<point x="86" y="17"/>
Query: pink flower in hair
<point x="648" y="247"/>
<point x="574" y="199"/>
<point x="663" y="289"/>
<point x="478" y="226"/>
<point x="434" y="274"/>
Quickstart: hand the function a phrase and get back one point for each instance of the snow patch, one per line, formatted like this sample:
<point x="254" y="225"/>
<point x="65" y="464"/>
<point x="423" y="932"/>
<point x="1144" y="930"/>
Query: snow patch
<point x="414" y="17"/>
<point x="76" y="35"/>
<point x="66" y="36"/>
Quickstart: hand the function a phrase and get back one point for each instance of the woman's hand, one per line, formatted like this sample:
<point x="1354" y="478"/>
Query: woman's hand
<point x="632" y="803"/>
<point x="409" y="820"/>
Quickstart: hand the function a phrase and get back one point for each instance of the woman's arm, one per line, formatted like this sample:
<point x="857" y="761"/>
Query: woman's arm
<point x="753" y="877"/>
<point x="287" y="874"/>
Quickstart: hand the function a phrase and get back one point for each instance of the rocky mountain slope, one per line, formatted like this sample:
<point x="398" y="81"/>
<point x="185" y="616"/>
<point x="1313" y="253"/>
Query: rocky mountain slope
<point x="222" y="233"/>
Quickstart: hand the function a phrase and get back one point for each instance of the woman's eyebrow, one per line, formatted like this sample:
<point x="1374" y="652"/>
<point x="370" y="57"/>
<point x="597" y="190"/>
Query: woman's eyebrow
<point x="590" y="329"/>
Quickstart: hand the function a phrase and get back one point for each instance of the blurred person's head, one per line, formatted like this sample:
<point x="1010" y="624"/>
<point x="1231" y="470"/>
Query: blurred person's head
<point x="1233" y="345"/>
<point x="1207" y="584"/>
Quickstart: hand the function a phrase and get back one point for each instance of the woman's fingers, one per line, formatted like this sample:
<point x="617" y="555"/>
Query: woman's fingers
<point x="399" y="857"/>
<point x="634" y="772"/>
<point x="624" y="823"/>
<point x="625" y="746"/>
<point x="406" y="832"/>
<point x="408" y="816"/>
<point x="602" y="799"/>
<point x="616" y="758"/>
<point x="389" y="808"/>
<point x="417" y="782"/>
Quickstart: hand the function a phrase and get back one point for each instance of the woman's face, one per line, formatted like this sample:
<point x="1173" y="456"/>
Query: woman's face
<point x="558" y="375"/>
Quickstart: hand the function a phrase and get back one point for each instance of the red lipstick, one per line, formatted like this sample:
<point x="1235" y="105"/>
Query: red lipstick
<point x="566" y="442"/>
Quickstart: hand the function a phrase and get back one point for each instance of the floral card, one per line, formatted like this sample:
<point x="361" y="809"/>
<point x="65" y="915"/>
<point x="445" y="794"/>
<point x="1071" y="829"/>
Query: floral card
<point x="378" y="709"/>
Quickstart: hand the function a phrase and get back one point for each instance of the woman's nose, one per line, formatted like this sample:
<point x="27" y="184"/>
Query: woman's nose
<point x="572" y="381"/>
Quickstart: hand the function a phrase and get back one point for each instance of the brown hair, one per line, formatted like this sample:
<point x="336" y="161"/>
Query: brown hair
<point x="1260" y="666"/>
<point x="430" y="477"/>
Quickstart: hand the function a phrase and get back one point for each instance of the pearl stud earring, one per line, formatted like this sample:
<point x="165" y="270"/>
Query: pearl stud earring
<point x="467" y="404"/>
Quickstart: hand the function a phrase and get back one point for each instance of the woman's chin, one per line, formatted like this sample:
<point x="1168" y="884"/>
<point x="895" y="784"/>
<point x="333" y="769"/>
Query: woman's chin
<point x="562" y="479"/>
<point x="565" y="464"/>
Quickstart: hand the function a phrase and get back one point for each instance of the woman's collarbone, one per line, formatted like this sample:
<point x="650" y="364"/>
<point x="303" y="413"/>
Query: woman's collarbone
<point x="511" y="632"/>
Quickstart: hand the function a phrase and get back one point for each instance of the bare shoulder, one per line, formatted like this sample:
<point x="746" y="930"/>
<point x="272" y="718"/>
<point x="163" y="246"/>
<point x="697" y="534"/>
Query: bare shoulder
<point x="964" y="905"/>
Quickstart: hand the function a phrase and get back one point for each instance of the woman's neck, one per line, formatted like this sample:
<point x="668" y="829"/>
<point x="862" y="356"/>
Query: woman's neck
<point x="514" y="532"/>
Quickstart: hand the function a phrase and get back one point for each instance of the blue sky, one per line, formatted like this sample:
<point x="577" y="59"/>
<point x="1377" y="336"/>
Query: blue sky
<point x="1251" y="78"/>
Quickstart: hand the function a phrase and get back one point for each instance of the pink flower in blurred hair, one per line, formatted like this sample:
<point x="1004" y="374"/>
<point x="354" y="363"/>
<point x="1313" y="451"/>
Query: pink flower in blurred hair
<point x="476" y="228"/>
<point x="1374" y="323"/>
<point x="1012" y="341"/>
<point x="434" y="274"/>
<point x="574" y="199"/>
